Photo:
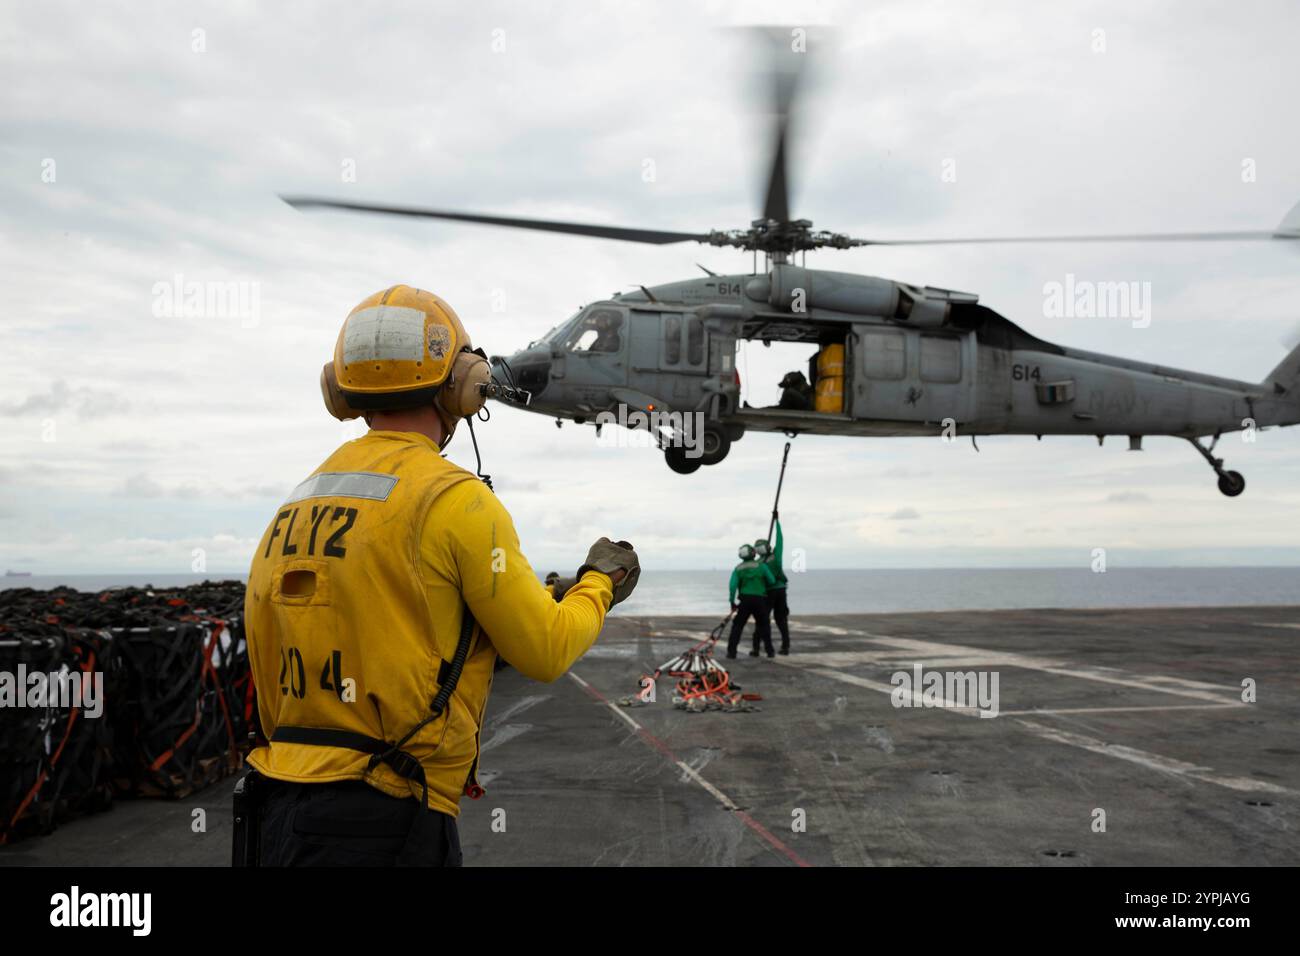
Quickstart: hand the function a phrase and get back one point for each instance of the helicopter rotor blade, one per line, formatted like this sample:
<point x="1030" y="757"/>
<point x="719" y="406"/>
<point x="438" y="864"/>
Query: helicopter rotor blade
<point x="1229" y="236"/>
<point x="786" y="69"/>
<point x="776" y="204"/>
<point x="657" y="237"/>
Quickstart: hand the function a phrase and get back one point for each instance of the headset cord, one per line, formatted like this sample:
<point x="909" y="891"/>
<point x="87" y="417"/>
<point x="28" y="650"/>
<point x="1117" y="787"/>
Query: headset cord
<point x="478" y="459"/>
<point x="510" y="373"/>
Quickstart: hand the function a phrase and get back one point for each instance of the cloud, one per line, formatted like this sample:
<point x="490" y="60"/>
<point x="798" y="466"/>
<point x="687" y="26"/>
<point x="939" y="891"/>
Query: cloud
<point x="86" y="403"/>
<point x="169" y="162"/>
<point x="141" y="486"/>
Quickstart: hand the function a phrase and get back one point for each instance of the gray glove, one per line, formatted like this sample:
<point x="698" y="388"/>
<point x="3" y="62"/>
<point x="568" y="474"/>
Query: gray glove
<point x="608" y="557"/>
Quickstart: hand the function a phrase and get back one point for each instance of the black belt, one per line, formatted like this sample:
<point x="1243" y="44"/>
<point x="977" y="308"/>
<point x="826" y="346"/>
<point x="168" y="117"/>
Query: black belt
<point x="381" y="751"/>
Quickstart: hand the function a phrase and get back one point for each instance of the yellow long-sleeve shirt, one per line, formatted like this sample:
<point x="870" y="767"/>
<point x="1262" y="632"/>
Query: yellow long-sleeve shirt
<point x="355" y="600"/>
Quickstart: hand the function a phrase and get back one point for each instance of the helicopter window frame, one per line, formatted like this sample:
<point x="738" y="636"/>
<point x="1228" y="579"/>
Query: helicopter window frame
<point x="684" y="342"/>
<point x="696" y="354"/>
<point x="559" y="335"/>
<point x="940" y="365"/>
<point x="672" y="338"/>
<point x="583" y="326"/>
<point x="884" y="354"/>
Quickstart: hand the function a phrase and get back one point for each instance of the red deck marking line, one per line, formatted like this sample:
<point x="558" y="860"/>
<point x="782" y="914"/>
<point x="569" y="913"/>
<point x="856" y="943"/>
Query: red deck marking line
<point x="656" y="744"/>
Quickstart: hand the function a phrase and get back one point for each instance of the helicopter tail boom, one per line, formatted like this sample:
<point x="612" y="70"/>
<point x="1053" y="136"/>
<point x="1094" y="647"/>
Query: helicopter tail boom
<point x="1285" y="378"/>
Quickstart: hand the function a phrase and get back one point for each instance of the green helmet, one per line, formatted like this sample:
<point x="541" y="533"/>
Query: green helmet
<point x="762" y="548"/>
<point x="746" y="552"/>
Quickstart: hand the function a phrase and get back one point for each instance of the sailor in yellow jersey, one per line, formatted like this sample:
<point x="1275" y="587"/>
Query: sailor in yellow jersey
<point x="379" y="600"/>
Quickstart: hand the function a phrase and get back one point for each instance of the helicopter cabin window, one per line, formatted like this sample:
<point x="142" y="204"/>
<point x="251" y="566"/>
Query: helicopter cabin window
<point x="599" y="331"/>
<point x="884" y="354"/>
<point x="695" y="341"/>
<point x="672" y="339"/>
<point x="940" y="359"/>
<point x="683" y="340"/>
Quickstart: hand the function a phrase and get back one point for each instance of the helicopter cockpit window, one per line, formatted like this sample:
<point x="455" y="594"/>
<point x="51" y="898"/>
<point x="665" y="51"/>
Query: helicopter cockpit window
<point x="557" y="334"/>
<point x="598" y="331"/>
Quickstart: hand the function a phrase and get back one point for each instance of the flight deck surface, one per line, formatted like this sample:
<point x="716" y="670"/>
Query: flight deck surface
<point x="1133" y="718"/>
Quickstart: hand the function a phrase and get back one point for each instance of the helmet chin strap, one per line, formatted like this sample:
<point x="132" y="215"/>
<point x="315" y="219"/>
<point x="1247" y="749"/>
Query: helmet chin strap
<point x="447" y="434"/>
<point x="448" y="425"/>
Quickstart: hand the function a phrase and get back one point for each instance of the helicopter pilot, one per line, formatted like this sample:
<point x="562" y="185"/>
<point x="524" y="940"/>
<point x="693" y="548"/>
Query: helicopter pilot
<point x="607" y="326"/>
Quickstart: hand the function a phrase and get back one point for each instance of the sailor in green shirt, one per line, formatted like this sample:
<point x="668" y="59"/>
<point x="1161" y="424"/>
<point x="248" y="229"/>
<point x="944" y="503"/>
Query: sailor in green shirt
<point x="750" y="582"/>
<point x="771" y="557"/>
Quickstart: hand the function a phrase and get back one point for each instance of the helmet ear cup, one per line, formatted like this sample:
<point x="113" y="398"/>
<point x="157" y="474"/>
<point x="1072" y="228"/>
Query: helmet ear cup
<point x="332" y="395"/>
<point x="462" y="393"/>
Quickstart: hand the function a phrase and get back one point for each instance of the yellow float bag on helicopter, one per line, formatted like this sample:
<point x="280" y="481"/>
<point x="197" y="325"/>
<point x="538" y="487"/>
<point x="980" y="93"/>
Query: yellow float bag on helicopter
<point x="355" y="603"/>
<point x="829" y="393"/>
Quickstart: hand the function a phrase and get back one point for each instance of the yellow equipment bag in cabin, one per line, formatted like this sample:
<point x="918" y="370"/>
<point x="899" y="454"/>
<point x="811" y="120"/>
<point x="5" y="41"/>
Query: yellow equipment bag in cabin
<point x="830" y="379"/>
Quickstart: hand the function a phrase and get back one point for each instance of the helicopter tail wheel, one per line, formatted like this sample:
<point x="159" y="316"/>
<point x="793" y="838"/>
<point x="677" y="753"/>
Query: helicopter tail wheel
<point x="1231" y="483"/>
<point x="716" y="443"/>
<point x="675" y="455"/>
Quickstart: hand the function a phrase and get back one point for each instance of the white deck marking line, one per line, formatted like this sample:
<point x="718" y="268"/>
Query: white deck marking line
<point x="1295" y="627"/>
<point x="884" y="688"/>
<point x="1154" y="761"/>
<point x="686" y="768"/>
<point x="1118" y="751"/>
<point x="1212" y="693"/>
<point x="675" y="632"/>
<point x="653" y="741"/>
<point x="1117" y="710"/>
<point x="887" y="689"/>
<point x="506" y="734"/>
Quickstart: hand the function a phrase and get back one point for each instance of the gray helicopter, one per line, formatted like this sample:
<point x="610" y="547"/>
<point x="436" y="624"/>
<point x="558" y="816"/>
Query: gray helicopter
<point x="893" y="358"/>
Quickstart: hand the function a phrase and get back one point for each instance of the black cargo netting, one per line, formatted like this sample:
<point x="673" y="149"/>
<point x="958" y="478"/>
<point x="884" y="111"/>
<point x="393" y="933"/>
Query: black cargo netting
<point x="176" y="704"/>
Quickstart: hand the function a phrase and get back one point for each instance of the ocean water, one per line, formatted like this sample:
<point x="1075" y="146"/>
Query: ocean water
<point x="861" y="592"/>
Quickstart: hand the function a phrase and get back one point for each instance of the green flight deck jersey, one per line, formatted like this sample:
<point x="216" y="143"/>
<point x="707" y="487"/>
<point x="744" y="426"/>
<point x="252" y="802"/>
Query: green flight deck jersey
<point x="773" y="562"/>
<point x="750" y="577"/>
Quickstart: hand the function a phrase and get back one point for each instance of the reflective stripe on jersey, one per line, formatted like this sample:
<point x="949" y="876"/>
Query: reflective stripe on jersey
<point x="345" y="484"/>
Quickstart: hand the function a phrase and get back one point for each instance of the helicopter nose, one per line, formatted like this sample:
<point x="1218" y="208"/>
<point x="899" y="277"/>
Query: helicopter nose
<point x="529" y="370"/>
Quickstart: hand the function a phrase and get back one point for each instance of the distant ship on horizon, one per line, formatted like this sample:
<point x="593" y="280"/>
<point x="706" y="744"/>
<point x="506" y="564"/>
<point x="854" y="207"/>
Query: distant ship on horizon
<point x="18" y="574"/>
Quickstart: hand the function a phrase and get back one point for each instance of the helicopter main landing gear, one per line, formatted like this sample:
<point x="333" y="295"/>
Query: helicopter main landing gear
<point x="1231" y="483"/>
<point x="712" y="445"/>
<point x="715" y="443"/>
<point x="675" y="455"/>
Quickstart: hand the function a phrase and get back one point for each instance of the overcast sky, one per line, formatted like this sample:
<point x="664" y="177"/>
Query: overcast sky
<point x="144" y="141"/>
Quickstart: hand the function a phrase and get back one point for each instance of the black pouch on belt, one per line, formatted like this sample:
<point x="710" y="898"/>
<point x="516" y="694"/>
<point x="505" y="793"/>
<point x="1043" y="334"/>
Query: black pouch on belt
<point x="250" y="796"/>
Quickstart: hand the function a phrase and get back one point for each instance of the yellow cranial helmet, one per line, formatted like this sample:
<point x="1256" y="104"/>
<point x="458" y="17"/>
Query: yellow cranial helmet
<point x="403" y="348"/>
